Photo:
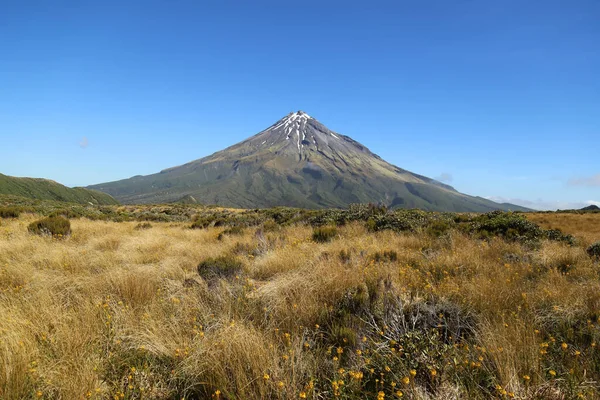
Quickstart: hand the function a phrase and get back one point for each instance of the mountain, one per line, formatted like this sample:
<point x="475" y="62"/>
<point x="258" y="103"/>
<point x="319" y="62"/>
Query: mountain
<point x="591" y="208"/>
<point x="44" y="189"/>
<point x="295" y="162"/>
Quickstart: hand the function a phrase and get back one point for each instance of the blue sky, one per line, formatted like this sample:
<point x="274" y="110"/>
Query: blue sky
<point x="498" y="98"/>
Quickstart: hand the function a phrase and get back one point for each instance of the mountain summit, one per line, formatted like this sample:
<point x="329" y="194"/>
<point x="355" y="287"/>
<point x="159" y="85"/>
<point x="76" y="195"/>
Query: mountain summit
<point x="296" y="162"/>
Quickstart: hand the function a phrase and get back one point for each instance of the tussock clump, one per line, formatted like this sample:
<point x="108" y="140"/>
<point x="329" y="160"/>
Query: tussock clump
<point x="220" y="267"/>
<point x="51" y="226"/>
<point x="324" y="234"/>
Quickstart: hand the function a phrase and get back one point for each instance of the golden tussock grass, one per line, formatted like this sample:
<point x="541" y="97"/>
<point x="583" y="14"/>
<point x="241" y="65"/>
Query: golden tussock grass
<point x="584" y="225"/>
<point x="115" y="312"/>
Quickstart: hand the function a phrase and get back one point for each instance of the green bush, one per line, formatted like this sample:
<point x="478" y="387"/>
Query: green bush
<point x="510" y="226"/>
<point x="438" y="228"/>
<point x="51" y="226"/>
<point x="324" y="234"/>
<point x="220" y="267"/>
<point x="9" y="212"/>
<point x="594" y="250"/>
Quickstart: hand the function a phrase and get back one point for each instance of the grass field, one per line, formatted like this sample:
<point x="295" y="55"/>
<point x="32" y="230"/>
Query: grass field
<point x="123" y="310"/>
<point x="583" y="225"/>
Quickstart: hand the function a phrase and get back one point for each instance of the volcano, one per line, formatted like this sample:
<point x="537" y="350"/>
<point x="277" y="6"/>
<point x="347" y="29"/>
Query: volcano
<point x="296" y="162"/>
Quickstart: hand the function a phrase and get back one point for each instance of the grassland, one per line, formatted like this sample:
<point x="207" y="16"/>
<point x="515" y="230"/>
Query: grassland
<point x="285" y="305"/>
<point x="585" y="225"/>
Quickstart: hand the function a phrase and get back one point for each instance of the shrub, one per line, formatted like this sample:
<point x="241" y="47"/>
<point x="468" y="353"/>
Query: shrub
<point x="220" y="267"/>
<point x="51" y="226"/>
<point x="345" y="255"/>
<point x="594" y="250"/>
<point x="234" y="230"/>
<point x="67" y="213"/>
<point x="399" y="220"/>
<point x="558" y="236"/>
<point x="387" y="255"/>
<point x="142" y="226"/>
<point x="270" y="226"/>
<point x="9" y="212"/>
<point x="510" y="226"/>
<point x="324" y="234"/>
<point x="438" y="228"/>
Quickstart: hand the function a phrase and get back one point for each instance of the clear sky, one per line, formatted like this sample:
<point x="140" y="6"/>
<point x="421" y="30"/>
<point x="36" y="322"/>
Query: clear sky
<point x="498" y="98"/>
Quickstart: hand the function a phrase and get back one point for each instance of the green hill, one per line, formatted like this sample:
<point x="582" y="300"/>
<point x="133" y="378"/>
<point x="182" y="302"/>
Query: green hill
<point x="45" y="189"/>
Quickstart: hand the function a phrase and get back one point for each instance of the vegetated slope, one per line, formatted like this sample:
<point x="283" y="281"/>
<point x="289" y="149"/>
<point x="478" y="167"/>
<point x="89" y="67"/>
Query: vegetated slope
<point x="44" y="189"/>
<point x="591" y="208"/>
<point x="296" y="162"/>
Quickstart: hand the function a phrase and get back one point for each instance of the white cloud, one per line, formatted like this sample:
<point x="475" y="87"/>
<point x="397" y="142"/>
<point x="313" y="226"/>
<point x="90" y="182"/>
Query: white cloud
<point x="541" y="204"/>
<point x="585" y="181"/>
<point x="84" y="142"/>
<point x="444" y="177"/>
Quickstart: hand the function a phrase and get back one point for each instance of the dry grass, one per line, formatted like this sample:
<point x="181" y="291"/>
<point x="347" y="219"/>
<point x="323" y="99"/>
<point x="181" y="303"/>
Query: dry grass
<point x="585" y="225"/>
<point x="118" y="312"/>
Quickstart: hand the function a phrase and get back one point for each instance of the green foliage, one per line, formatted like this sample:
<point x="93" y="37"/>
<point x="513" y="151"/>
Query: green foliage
<point x="10" y="212"/>
<point x="513" y="227"/>
<point x="400" y="220"/>
<point x="51" y="226"/>
<point x="324" y="234"/>
<point x="438" y="228"/>
<point x="594" y="250"/>
<point x="510" y="226"/>
<point x="221" y="267"/>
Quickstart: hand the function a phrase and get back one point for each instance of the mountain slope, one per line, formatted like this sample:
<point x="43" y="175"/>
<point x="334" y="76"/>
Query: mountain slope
<point x="44" y="189"/>
<point x="591" y="208"/>
<point x="295" y="162"/>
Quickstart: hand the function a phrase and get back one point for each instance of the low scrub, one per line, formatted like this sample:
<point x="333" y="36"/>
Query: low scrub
<point x="594" y="250"/>
<point x="9" y="212"/>
<point x="324" y="234"/>
<point x="143" y="226"/>
<point x="233" y="231"/>
<point x="51" y="226"/>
